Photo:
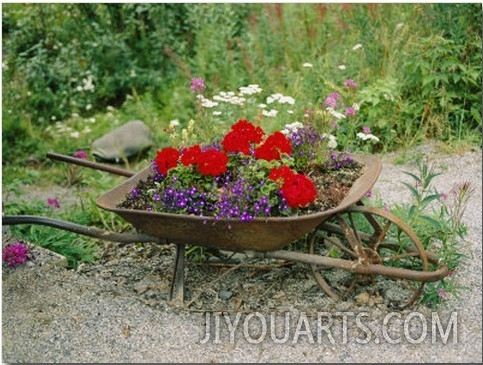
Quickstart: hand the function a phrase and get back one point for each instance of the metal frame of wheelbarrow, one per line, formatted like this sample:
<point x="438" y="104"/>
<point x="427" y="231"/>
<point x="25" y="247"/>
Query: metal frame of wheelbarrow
<point x="156" y="233"/>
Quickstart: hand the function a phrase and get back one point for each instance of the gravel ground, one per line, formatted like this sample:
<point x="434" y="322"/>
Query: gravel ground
<point x="117" y="310"/>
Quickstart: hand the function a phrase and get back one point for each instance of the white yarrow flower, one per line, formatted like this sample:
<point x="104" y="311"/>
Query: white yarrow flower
<point x="335" y="113"/>
<point x="357" y="46"/>
<point x="173" y="123"/>
<point x="272" y="113"/>
<point x="366" y="136"/>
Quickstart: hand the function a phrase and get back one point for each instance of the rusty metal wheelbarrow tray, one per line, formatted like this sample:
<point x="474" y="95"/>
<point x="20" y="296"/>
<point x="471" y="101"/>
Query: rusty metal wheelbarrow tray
<point x="259" y="234"/>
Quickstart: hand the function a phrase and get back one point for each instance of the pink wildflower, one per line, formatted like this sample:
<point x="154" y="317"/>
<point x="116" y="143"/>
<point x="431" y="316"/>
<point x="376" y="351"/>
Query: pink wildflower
<point x="80" y="154"/>
<point x="197" y="85"/>
<point x="53" y="203"/>
<point x="366" y="130"/>
<point x="350" y="83"/>
<point x="14" y="255"/>
<point x="350" y="111"/>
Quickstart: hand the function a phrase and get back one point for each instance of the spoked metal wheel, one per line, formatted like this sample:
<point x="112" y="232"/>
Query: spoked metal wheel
<point x="368" y="236"/>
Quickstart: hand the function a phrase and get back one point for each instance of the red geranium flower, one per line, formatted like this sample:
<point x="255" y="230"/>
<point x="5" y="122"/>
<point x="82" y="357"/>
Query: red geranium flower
<point x="298" y="190"/>
<point x="212" y="162"/>
<point x="275" y="145"/>
<point x="279" y="174"/>
<point x="166" y="159"/>
<point x="241" y="136"/>
<point x="190" y="155"/>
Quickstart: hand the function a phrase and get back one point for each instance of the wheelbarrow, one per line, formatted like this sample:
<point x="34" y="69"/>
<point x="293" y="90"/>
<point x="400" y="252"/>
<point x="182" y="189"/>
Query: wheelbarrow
<point x="348" y="245"/>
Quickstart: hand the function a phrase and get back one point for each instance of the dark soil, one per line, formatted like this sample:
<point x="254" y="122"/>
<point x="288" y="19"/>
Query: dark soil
<point x="332" y="184"/>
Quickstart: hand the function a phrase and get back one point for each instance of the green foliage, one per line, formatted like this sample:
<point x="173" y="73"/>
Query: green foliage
<point x="75" y="248"/>
<point x="437" y="220"/>
<point x="418" y="65"/>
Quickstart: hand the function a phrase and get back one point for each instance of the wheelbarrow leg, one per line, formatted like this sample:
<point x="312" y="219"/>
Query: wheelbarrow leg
<point x="177" y="283"/>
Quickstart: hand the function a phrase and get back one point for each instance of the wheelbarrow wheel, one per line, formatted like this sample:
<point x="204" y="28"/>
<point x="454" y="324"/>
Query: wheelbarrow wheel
<point x="368" y="236"/>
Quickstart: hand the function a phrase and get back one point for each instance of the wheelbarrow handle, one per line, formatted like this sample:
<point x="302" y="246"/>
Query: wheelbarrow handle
<point x="89" y="231"/>
<point x="90" y="164"/>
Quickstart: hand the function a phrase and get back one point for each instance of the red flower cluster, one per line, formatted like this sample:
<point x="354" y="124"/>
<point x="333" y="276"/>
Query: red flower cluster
<point x="241" y="136"/>
<point x="297" y="189"/>
<point x="210" y="162"/>
<point x="273" y="147"/>
<point x="166" y="159"/>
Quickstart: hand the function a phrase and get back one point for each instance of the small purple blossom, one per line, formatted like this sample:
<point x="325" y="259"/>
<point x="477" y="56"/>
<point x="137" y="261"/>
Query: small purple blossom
<point x="14" y="255"/>
<point x="80" y="154"/>
<point x="350" y="111"/>
<point x="53" y="203"/>
<point x="441" y="293"/>
<point x="350" y="83"/>
<point x="366" y="130"/>
<point x="197" y="85"/>
<point x="331" y="100"/>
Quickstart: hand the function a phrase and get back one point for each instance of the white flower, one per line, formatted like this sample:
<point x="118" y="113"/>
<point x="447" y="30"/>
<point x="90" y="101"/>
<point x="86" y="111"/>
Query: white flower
<point x="291" y="128"/>
<point x="341" y="67"/>
<point x="75" y="134"/>
<point x="332" y="143"/>
<point x="306" y="64"/>
<point x="271" y="113"/>
<point x="335" y="113"/>
<point x="262" y="106"/>
<point x="356" y="47"/>
<point x="206" y="103"/>
<point x="272" y="98"/>
<point x="173" y="123"/>
<point x="217" y="112"/>
<point x="286" y="100"/>
<point x="282" y="99"/>
<point x="355" y="106"/>
<point x="250" y="89"/>
<point x="88" y="85"/>
<point x="366" y="136"/>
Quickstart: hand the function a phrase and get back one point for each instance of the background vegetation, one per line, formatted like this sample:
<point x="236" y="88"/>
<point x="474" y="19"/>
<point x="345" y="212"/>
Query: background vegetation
<point x="418" y="67"/>
<point x="72" y="72"/>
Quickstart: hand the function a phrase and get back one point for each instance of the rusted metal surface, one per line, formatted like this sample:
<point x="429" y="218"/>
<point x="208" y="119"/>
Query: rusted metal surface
<point x="90" y="164"/>
<point x="372" y="269"/>
<point x="260" y="234"/>
<point x="80" y="229"/>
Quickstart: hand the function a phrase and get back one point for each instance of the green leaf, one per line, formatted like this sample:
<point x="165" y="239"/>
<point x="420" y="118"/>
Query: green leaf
<point x="413" y="176"/>
<point x="433" y="222"/>
<point x="412" y="189"/>
<point x="428" y="199"/>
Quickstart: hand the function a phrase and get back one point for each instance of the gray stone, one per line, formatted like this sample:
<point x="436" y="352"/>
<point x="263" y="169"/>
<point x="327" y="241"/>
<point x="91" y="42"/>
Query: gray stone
<point x="123" y="142"/>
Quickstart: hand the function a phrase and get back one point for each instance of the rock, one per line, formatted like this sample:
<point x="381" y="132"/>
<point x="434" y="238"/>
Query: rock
<point x="123" y="142"/>
<point x="362" y="298"/>
<point x="225" y="294"/>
